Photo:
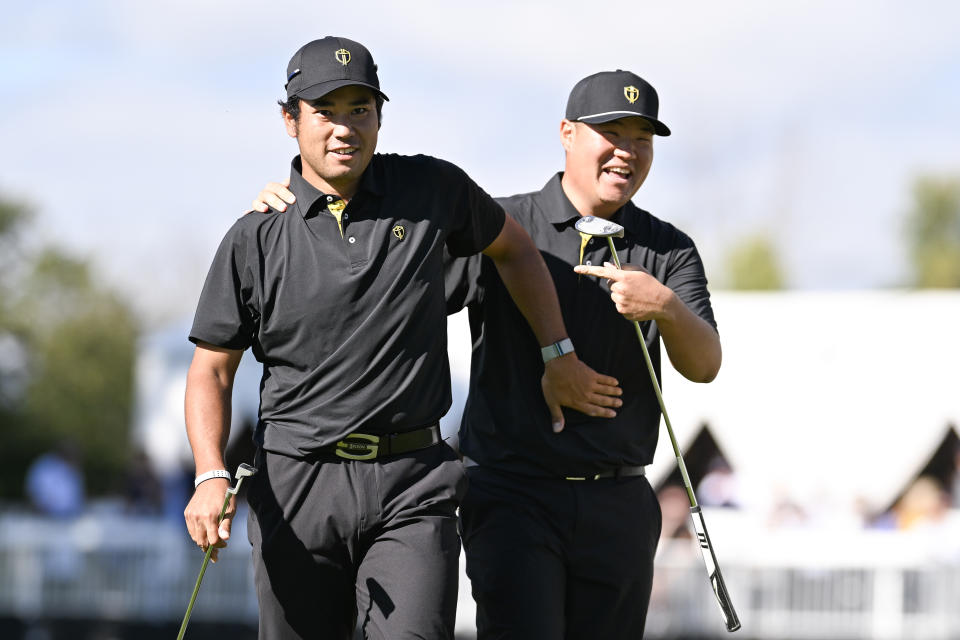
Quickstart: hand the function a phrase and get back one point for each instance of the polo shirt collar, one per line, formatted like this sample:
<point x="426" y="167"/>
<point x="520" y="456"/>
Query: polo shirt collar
<point x="308" y="196"/>
<point x="559" y="211"/>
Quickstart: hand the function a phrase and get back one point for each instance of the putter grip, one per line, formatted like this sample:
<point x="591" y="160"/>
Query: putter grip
<point x="713" y="571"/>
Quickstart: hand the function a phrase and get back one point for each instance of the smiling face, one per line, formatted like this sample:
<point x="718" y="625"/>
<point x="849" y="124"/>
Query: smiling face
<point x="337" y="135"/>
<point x="606" y="163"/>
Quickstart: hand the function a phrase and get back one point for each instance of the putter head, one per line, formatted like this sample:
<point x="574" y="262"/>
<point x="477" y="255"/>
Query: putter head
<point x="594" y="226"/>
<point x="244" y="471"/>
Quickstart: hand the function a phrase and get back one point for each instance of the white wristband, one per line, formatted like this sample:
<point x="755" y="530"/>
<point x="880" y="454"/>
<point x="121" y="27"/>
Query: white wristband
<point x="557" y="349"/>
<point x="216" y="473"/>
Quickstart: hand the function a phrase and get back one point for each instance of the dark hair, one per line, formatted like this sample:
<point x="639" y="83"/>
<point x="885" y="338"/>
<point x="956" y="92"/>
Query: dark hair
<point x="292" y="107"/>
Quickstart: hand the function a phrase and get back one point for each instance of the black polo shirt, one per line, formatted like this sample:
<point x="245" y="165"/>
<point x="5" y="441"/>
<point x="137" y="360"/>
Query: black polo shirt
<point x="506" y="424"/>
<point x="350" y="326"/>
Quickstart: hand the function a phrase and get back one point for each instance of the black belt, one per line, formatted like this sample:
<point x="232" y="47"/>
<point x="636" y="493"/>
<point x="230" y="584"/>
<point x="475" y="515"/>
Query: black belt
<point x="621" y="472"/>
<point x="365" y="446"/>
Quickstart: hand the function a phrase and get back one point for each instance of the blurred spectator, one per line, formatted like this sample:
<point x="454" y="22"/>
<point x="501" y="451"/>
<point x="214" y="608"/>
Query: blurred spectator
<point x="924" y="503"/>
<point x="142" y="491"/>
<point x="719" y="487"/>
<point x="54" y="482"/>
<point x="177" y="490"/>
<point x="787" y="514"/>
<point x="955" y="485"/>
<point x="675" y="511"/>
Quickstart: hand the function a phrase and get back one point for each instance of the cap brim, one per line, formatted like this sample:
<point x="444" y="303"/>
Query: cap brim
<point x="317" y="91"/>
<point x="599" y="118"/>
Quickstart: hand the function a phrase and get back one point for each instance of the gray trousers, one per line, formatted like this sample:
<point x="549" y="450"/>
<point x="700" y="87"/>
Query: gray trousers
<point x="337" y="543"/>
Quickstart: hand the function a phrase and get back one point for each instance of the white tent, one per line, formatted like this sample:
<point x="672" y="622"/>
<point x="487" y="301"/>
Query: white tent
<point x="839" y="396"/>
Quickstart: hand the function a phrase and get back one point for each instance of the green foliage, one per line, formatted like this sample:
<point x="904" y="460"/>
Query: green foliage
<point x="753" y="265"/>
<point x="933" y="232"/>
<point x="72" y="377"/>
<point x="13" y="215"/>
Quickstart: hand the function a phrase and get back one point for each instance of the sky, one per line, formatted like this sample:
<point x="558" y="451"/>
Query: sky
<point x="139" y="131"/>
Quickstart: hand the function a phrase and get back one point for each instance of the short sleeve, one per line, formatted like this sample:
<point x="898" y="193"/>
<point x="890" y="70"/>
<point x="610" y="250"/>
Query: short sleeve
<point x="688" y="279"/>
<point x="461" y="281"/>
<point x="226" y="314"/>
<point x="479" y="219"/>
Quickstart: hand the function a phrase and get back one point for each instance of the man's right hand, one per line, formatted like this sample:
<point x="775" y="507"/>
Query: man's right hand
<point x="276" y="195"/>
<point x="568" y="382"/>
<point x="202" y="512"/>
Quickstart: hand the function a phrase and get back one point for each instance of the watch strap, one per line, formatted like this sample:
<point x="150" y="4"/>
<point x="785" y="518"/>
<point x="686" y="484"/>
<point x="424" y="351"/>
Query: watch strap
<point x="557" y="349"/>
<point x="209" y="475"/>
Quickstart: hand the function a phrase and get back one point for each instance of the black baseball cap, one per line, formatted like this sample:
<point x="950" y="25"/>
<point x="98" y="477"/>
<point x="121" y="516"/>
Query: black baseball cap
<point x="325" y="65"/>
<point x="610" y="95"/>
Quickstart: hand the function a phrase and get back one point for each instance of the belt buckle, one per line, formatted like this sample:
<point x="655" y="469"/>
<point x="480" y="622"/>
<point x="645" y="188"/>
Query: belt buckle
<point x="365" y="450"/>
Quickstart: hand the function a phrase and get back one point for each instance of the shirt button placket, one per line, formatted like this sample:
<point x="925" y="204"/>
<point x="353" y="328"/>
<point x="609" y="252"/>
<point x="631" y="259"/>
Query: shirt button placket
<point x="336" y="206"/>
<point x="353" y="250"/>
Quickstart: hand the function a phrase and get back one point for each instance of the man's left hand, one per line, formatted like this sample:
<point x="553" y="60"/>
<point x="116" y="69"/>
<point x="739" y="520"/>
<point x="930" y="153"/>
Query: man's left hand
<point x="568" y="382"/>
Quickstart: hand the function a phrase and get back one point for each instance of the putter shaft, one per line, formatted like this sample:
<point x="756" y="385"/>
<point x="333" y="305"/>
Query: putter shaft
<point x="656" y="388"/>
<point x="203" y="569"/>
<point x="243" y="471"/>
<point x="730" y="618"/>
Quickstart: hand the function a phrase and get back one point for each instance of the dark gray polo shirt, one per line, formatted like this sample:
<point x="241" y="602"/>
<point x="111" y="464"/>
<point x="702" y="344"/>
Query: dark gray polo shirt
<point x="506" y="424"/>
<point x="350" y="327"/>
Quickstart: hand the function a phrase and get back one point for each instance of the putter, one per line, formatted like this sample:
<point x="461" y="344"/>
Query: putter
<point x="601" y="228"/>
<point x="243" y="471"/>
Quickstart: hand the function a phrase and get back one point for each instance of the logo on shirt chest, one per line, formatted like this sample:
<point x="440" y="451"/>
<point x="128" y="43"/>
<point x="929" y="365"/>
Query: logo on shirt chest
<point x="399" y="232"/>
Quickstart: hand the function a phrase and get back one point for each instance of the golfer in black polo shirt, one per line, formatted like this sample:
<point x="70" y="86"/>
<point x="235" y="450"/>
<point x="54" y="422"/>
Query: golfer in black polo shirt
<point x="560" y="527"/>
<point x="341" y="298"/>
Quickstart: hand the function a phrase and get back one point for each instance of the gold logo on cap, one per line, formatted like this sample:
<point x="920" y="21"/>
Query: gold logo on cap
<point x="398" y="231"/>
<point x="631" y="93"/>
<point x="343" y="56"/>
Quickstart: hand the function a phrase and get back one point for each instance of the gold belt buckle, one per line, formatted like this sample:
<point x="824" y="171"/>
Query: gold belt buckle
<point x="351" y="450"/>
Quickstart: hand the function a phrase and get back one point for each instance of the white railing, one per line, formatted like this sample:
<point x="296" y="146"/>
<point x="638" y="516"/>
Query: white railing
<point x="143" y="569"/>
<point x="117" y="568"/>
<point x="798" y="603"/>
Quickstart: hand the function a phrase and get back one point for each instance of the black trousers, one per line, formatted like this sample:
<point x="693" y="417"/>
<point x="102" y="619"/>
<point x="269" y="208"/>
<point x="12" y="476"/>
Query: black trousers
<point x="554" y="559"/>
<point x="336" y="542"/>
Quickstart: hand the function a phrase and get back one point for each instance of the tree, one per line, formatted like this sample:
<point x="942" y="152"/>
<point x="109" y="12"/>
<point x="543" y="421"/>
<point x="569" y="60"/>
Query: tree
<point x="933" y="232"/>
<point x="13" y="216"/>
<point x="753" y="265"/>
<point x="70" y="374"/>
